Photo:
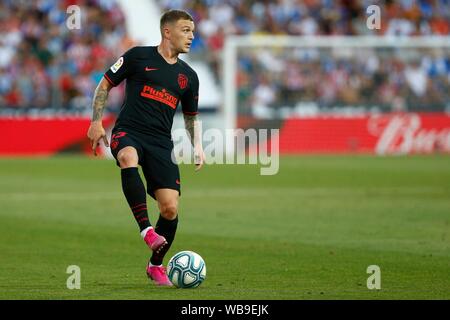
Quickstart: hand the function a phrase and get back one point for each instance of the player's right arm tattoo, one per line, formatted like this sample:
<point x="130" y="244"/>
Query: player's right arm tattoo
<point x="98" y="105"/>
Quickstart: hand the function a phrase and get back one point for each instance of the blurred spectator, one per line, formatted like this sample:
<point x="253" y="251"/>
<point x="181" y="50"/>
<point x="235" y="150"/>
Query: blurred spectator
<point x="416" y="78"/>
<point x="264" y="96"/>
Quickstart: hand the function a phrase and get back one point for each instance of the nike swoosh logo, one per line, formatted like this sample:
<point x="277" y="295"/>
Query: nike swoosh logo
<point x="150" y="69"/>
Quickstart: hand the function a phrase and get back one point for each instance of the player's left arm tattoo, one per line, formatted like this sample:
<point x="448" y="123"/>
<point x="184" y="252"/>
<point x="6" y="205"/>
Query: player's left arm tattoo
<point x="192" y="124"/>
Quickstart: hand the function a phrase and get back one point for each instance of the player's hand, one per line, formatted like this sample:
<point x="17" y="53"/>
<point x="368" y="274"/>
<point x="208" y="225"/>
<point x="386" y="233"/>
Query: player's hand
<point x="95" y="134"/>
<point x="199" y="158"/>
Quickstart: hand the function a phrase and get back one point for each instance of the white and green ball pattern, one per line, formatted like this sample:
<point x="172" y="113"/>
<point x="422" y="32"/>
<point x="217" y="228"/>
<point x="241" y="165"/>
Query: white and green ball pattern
<point x="186" y="269"/>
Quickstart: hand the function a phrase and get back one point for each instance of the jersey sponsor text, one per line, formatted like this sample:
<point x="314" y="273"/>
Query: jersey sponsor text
<point x="160" y="95"/>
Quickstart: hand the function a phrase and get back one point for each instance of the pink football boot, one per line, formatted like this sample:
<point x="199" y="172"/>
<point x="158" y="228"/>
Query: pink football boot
<point x="158" y="275"/>
<point x="154" y="240"/>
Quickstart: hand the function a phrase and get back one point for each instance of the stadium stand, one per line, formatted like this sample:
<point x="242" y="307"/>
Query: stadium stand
<point x="44" y="65"/>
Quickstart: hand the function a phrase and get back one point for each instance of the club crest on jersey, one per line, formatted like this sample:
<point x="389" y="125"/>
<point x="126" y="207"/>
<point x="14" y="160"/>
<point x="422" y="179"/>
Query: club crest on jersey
<point x="116" y="66"/>
<point x="182" y="81"/>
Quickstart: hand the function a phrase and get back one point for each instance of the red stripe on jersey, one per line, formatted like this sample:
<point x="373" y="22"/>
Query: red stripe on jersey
<point x="190" y="113"/>
<point x="109" y="80"/>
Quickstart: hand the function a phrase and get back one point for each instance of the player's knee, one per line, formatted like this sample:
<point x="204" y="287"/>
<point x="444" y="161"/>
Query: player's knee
<point x="169" y="210"/>
<point x="127" y="159"/>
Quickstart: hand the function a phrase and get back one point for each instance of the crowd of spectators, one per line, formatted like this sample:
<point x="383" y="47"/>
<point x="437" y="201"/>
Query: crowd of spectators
<point x="270" y="78"/>
<point x="393" y="79"/>
<point x="43" y="63"/>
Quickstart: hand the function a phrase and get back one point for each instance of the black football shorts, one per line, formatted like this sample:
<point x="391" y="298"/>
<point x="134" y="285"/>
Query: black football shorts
<point x="154" y="158"/>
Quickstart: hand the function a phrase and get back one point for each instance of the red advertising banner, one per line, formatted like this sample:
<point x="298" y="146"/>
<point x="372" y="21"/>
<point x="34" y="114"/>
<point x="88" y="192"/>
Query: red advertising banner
<point x="22" y="136"/>
<point x="399" y="133"/>
<point x="405" y="133"/>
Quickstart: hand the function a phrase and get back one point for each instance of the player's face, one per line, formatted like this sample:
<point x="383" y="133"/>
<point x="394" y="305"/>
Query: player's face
<point x="181" y="35"/>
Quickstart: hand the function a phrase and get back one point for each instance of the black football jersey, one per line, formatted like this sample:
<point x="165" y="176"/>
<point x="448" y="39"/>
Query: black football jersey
<point x="153" y="91"/>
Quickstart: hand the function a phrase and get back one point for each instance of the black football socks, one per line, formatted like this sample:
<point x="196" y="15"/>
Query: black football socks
<point x="166" y="228"/>
<point x="134" y="191"/>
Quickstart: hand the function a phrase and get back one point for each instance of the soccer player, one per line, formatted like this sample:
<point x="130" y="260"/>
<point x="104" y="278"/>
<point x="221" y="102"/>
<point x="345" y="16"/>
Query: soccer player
<point x="156" y="81"/>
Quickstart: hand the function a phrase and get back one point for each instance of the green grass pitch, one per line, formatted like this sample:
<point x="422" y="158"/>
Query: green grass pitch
<point x="309" y="232"/>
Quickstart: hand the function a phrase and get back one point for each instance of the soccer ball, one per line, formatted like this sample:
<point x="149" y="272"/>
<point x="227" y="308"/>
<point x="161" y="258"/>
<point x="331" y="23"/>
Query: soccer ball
<point x="186" y="269"/>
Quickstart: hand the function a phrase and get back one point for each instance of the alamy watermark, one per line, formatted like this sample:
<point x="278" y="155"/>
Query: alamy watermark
<point x="74" y="19"/>
<point x="374" y="19"/>
<point x="374" y="280"/>
<point x="74" y="280"/>
<point x="232" y="146"/>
